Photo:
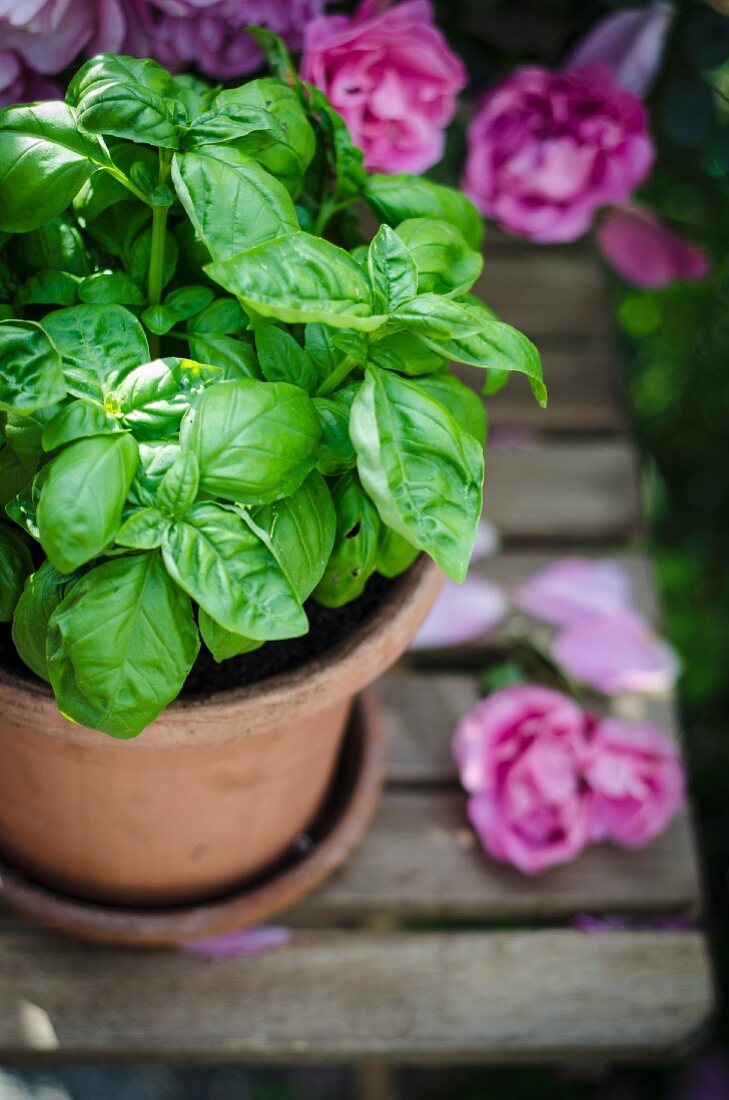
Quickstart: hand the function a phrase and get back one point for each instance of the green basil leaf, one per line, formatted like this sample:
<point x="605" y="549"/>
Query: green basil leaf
<point x="344" y="158"/>
<point x="120" y="645"/>
<point x="125" y="97"/>
<point x="301" y="529"/>
<point x="222" y="643"/>
<point x="25" y="434"/>
<point x="495" y="380"/>
<point x="97" y="344"/>
<point x="437" y="318"/>
<point x="52" y="288"/>
<point x="319" y="344"/>
<point x="154" y="397"/>
<point x="282" y="359"/>
<point x="234" y="358"/>
<point x="392" y="270"/>
<point x="143" y="529"/>
<point x="178" y="488"/>
<point x="82" y="498"/>
<point x="22" y="509"/>
<point x="394" y="553"/>
<point x="255" y="442"/>
<point x="445" y="263"/>
<point x="78" y="420"/>
<point x="41" y="595"/>
<point x="232" y="202"/>
<point x="223" y="317"/>
<point x="159" y="319"/>
<point x="336" y="452"/>
<point x="14" y="476"/>
<point x="57" y="245"/>
<point x="195" y="95"/>
<point x="406" y="353"/>
<point x="465" y="406"/>
<point x="396" y="198"/>
<point x="300" y="278"/>
<point x="44" y="162"/>
<point x="155" y="459"/>
<point x="30" y="368"/>
<point x="16" y="565"/>
<point x="215" y="556"/>
<point x="494" y="345"/>
<point x="423" y="471"/>
<point x="111" y="286"/>
<point x="354" y="554"/>
<point x="190" y="301"/>
<point x="265" y="120"/>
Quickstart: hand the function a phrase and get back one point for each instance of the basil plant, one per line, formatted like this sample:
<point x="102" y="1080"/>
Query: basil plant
<point x="217" y="400"/>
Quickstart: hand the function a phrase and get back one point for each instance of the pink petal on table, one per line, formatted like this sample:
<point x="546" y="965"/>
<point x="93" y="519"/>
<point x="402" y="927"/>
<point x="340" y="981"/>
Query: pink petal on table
<point x="616" y="653"/>
<point x="240" y="943"/>
<point x="461" y="613"/>
<point x="630" y="43"/>
<point x="573" y="588"/>
<point x="646" y="252"/>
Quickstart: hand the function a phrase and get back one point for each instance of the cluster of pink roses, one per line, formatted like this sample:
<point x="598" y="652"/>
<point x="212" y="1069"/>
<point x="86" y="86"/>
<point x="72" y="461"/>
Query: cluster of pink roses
<point x="545" y="778"/>
<point x="39" y="38"/>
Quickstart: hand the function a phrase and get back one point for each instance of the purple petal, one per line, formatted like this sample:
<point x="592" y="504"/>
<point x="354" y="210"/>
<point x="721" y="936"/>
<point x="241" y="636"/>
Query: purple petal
<point x="240" y="943"/>
<point x="647" y="253"/>
<point x="630" y="43"/>
<point x="574" y="588"/>
<point x="461" y="613"/>
<point x="616" y="653"/>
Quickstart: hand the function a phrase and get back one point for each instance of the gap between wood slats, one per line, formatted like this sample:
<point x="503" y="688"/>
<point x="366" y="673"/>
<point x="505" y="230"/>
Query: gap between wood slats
<point x="516" y="996"/>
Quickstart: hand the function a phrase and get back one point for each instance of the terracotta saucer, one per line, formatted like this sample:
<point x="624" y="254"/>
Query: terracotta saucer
<point x="343" y="818"/>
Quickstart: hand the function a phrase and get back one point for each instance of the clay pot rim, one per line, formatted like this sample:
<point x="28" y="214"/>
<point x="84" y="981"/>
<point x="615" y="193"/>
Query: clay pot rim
<point x="316" y="685"/>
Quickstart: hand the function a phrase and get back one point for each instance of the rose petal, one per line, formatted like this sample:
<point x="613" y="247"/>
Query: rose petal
<point x="461" y="613"/>
<point x="573" y="588"/>
<point x="616" y="653"/>
<point x="240" y="943"/>
<point x="630" y="42"/>
<point x="646" y="252"/>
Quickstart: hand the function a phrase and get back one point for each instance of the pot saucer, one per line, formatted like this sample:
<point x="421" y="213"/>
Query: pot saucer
<point x="339" y="825"/>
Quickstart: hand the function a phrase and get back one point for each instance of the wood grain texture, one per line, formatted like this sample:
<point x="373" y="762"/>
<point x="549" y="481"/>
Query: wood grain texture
<point x="563" y="491"/>
<point x="421" y="860"/>
<point x="338" y="995"/>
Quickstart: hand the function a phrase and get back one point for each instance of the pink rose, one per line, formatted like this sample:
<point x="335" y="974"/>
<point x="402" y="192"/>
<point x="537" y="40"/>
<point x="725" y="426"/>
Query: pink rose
<point x="211" y="34"/>
<point x="47" y="35"/>
<point x="19" y="84"/>
<point x="520" y="755"/>
<point x="546" y="150"/>
<point x="637" y="778"/>
<point x="646" y="252"/>
<point x="393" y="78"/>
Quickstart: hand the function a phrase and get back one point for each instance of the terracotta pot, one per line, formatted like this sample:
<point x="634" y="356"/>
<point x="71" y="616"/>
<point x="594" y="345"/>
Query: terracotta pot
<point x="211" y="793"/>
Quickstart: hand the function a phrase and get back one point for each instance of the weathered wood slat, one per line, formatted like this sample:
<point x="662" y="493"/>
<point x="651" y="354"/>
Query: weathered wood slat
<point x="421" y="859"/>
<point x="546" y="294"/>
<point x="564" y="491"/>
<point x="339" y="995"/>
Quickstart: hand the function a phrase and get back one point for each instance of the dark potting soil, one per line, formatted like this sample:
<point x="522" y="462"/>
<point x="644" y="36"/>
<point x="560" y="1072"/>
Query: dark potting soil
<point x="328" y="626"/>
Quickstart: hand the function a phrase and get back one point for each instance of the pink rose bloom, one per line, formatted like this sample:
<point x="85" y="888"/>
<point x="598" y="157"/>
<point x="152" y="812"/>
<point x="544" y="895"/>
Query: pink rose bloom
<point x="211" y="34"/>
<point x="573" y="588"/>
<point x="546" y="150"/>
<point x="520" y="755"/>
<point x="393" y="78"/>
<point x="616" y="653"/>
<point x="19" y="84"/>
<point x="638" y="781"/>
<point x="646" y="252"/>
<point x="48" y="35"/>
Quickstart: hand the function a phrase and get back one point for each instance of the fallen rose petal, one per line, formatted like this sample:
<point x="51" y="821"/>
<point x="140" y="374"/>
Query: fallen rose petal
<point x="616" y="653"/>
<point x="645" y="252"/>
<point x="461" y="613"/>
<point x="630" y="42"/>
<point x="240" y="943"/>
<point x="574" y="588"/>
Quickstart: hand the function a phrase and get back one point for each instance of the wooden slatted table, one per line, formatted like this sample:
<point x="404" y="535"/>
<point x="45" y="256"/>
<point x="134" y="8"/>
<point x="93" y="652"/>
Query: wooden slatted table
<point x="421" y="948"/>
